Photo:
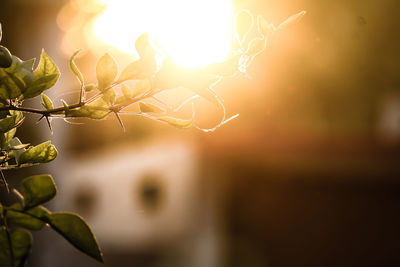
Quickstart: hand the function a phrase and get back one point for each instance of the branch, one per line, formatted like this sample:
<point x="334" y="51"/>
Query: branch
<point x="51" y="112"/>
<point x="46" y="113"/>
<point x="119" y="107"/>
<point x="13" y="167"/>
<point x="4" y="181"/>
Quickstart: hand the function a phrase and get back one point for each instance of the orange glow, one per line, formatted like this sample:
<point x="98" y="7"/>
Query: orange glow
<point x="193" y="33"/>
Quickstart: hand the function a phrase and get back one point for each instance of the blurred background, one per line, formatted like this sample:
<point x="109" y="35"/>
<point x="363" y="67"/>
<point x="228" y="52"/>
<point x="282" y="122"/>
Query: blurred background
<point x="308" y="175"/>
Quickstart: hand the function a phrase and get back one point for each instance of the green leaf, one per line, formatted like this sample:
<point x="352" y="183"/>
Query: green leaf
<point x="6" y="138"/>
<point x="29" y="219"/>
<point x="141" y="87"/>
<point x="28" y="64"/>
<point x="42" y="153"/>
<point x="38" y="212"/>
<point x="37" y="190"/>
<point x="5" y="57"/>
<point x="134" y="71"/>
<point x="46" y="67"/>
<point x="106" y="71"/>
<point x="46" y="75"/>
<point x="121" y="99"/>
<point x="73" y="228"/>
<point x="150" y="108"/>
<point x="143" y="68"/>
<point x="89" y="87"/>
<point x="7" y="123"/>
<point x="5" y="251"/>
<point x="17" y="113"/>
<point x="19" y="147"/>
<point x="109" y="96"/>
<point x="46" y="102"/>
<point x="24" y="220"/>
<point x="126" y="91"/>
<point x="178" y="123"/>
<point x="21" y="243"/>
<point x="15" y="79"/>
<point x="98" y="109"/>
<point x="15" y="144"/>
<point x="74" y="68"/>
<point x="40" y="85"/>
<point x="11" y="122"/>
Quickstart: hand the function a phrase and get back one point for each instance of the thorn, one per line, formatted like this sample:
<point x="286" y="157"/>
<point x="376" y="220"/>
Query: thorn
<point x="4" y="181"/>
<point x="41" y="118"/>
<point x="49" y="124"/>
<point x="120" y="121"/>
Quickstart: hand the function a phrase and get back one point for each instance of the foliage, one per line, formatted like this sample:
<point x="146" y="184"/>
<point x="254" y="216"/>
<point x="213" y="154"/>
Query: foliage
<point x="111" y="94"/>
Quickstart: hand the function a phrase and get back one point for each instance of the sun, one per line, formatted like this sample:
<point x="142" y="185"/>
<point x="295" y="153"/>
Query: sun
<point x="193" y="32"/>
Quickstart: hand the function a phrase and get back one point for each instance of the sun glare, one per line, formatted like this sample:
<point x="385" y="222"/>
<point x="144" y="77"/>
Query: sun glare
<point x="194" y="33"/>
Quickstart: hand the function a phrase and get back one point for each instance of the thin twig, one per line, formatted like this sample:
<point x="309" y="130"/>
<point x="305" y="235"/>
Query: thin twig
<point x="120" y="121"/>
<point x="4" y="181"/>
<point x="9" y="242"/>
<point x="81" y="94"/>
<point x="48" y="112"/>
<point x="49" y="124"/>
<point x="18" y="166"/>
<point x="119" y="107"/>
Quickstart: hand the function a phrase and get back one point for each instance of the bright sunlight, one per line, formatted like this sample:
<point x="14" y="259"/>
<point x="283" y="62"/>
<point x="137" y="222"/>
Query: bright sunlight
<point x="194" y="33"/>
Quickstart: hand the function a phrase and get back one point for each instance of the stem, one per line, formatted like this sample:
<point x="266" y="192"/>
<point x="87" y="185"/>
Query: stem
<point x="52" y="112"/>
<point x="93" y="98"/>
<point x="8" y="238"/>
<point x="12" y="167"/>
<point x="81" y="94"/>
<point x="119" y="107"/>
<point x="48" y="112"/>
<point x="4" y="181"/>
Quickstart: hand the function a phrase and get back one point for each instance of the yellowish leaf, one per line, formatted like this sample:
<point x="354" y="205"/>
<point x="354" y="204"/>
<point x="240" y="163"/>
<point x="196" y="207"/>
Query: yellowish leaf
<point x="292" y="20"/>
<point x="256" y="46"/>
<point x="178" y="123"/>
<point x="74" y="68"/>
<point x="264" y="27"/>
<point x="141" y="87"/>
<point x="150" y="108"/>
<point x="106" y="71"/>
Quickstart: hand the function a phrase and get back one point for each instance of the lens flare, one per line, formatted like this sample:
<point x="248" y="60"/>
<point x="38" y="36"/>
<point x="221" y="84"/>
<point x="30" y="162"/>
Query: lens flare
<point x="193" y="33"/>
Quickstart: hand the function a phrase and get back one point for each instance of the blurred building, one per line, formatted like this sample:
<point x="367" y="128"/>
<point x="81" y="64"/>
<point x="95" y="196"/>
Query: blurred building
<point x="308" y="175"/>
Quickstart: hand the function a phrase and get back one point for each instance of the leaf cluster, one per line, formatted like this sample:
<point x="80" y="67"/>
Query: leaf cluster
<point x="114" y="90"/>
<point x="244" y="25"/>
<point x="29" y="214"/>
